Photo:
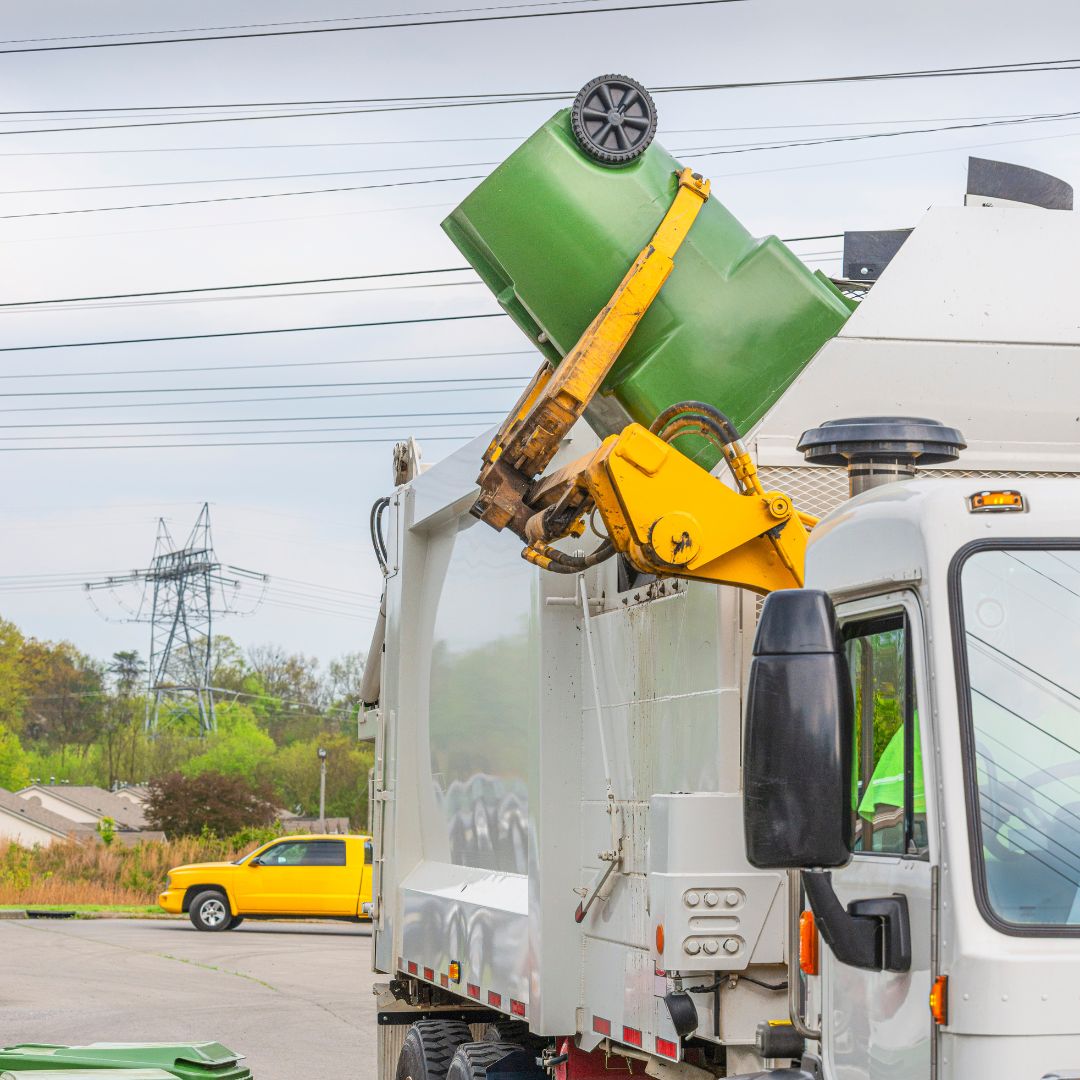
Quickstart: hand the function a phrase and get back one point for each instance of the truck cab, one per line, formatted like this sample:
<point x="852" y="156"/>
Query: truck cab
<point x="935" y="749"/>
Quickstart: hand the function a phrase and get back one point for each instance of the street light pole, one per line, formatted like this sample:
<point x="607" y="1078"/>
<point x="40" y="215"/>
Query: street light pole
<point x="322" y="790"/>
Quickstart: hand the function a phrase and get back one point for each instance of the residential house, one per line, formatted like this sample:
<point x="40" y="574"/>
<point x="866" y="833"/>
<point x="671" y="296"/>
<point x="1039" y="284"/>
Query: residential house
<point x="85" y="805"/>
<point x="30" y="823"/>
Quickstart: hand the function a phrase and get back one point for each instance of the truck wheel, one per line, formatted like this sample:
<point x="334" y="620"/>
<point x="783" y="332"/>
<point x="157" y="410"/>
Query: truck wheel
<point x="429" y="1048"/>
<point x="236" y="921"/>
<point x="210" y="911"/>
<point x="473" y="1059"/>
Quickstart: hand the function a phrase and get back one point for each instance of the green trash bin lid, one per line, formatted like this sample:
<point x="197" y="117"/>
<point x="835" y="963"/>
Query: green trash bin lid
<point x="86" y="1074"/>
<point x="184" y="1061"/>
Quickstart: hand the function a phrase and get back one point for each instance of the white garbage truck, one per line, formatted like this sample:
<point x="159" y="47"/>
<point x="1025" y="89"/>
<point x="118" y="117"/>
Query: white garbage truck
<point x="645" y="822"/>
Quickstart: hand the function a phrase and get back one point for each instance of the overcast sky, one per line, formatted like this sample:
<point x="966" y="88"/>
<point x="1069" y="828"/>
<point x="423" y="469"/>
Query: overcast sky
<point x="299" y="512"/>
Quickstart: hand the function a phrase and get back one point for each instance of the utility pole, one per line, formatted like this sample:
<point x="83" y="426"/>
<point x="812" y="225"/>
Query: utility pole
<point x="186" y="588"/>
<point x="322" y="790"/>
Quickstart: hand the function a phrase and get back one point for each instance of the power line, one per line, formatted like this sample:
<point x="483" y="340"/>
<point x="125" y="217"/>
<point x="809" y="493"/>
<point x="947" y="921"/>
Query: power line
<point x="372" y="26"/>
<point x="209" y="445"/>
<point x="229" y="288"/>
<point x="477" y="138"/>
<point x="1035" y="118"/>
<point x="704" y="151"/>
<point x="251" y="333"/>
<point x="260" y="367"/>
<point x="396" y="417"/>
<point x="255" y="179"/>
<point x="1026" y="67"/>
<point x="298" y="22"/>
<point x="257" y="386"/>
<point x="238" y="198"/>
<point x="360" y="290"/>
<point x="701" y="151"/>
<point x="512" y="385"/>
<point x="221" y="434"/>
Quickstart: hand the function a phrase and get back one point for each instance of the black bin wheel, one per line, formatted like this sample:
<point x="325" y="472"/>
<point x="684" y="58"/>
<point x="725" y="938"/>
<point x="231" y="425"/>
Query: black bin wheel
<point x="429" y="1048"/>
<point x="473" y="1059"/>
<point x="613" y="119"/>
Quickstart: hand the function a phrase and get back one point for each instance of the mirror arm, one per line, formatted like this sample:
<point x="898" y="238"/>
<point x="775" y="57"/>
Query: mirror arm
<point x="873" y="934"/>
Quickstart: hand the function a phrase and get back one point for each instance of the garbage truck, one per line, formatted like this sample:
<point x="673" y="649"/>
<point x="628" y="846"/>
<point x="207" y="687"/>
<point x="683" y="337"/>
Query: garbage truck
<point x="724" y="717"/>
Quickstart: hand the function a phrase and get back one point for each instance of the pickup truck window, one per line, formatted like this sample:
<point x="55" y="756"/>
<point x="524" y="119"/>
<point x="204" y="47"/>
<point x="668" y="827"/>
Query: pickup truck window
<point x="889" y="796"/>
<point x="1019" y="640"/>
<point x="305" y="853"/>
<point x="369" y="853"/>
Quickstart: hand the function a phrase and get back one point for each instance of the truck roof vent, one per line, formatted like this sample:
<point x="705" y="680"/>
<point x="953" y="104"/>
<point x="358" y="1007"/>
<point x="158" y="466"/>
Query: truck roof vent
<point x="881" y="449"/>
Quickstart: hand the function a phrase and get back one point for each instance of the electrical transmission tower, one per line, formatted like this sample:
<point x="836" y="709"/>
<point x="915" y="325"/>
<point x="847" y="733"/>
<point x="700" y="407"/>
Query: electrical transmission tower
<point x="182" y="592"/>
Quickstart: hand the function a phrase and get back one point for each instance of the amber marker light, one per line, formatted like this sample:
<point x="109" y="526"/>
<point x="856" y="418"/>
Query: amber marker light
<point x="660" y="938"/>
<point x="808" y="944"/>
<point x="455" y="971"/>
<point x="939" y="1000"/>
<point x="996" y="502"/>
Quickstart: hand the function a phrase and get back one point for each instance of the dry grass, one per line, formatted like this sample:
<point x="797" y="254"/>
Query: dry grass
<point x="88" y="872"/>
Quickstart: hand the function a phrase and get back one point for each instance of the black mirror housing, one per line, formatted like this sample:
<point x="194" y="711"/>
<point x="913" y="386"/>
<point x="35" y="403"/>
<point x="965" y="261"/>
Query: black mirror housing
<point x="799" y="733"/>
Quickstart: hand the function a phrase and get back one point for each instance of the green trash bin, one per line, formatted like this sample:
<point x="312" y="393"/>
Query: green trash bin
<point x="552" y="232"/>
<point x="184" y="1061"/>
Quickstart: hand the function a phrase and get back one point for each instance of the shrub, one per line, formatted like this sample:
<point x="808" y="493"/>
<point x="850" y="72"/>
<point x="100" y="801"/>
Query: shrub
<point x="208" y="804"/>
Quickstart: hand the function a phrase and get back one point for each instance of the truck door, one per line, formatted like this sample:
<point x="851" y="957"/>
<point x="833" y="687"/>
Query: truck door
<point x="877" y="1024"/>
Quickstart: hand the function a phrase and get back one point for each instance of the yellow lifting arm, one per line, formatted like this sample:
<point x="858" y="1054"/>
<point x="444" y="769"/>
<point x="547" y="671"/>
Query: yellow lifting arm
<point x="556" y="399"/>
<point x="664" y="513"/>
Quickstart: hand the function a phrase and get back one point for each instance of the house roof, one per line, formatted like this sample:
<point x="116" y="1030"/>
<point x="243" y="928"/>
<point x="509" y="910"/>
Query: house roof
<point x="94" y="800"/>
<point x="37" y="814"/>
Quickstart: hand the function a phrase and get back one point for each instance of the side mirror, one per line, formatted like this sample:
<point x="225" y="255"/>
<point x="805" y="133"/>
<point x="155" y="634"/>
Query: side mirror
<point x="797" y="775"/>
<point x="797" y="757"/>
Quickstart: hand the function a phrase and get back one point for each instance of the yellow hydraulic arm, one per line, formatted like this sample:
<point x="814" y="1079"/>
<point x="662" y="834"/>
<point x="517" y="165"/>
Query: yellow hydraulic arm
<point x="665" y="514"/>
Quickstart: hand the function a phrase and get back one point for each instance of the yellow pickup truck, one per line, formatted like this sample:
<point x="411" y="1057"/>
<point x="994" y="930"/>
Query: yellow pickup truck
<point x="323" y="877"/>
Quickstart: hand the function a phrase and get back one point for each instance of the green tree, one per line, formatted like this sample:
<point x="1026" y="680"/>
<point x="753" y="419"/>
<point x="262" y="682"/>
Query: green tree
<point x="123" y="717"/>
<point x="238" y="748"/>
<point x="65" y="705"/>
<point x="13" y="680"/>
<point x="294" y="773"/>
<point x="14" y="764"/>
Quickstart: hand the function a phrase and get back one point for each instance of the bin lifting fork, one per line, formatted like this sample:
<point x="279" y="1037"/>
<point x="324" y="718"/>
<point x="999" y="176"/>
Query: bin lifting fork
<point x="662" y="511"/>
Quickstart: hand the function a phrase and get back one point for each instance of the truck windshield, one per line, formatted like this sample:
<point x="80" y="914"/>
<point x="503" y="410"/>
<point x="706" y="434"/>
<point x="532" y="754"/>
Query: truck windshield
<point x="1021" y="637"/>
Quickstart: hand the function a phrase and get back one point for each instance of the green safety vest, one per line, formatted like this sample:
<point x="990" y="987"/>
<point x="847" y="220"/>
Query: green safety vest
<point x="887" y="784"/>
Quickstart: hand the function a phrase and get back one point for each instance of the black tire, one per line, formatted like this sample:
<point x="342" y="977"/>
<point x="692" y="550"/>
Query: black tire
<point x="473" y="1059"/>
<point x="236" y="921"/>
<point x="429" y="1048"/>
<point x="613" y="119"/>
<point x="210" y="911"/>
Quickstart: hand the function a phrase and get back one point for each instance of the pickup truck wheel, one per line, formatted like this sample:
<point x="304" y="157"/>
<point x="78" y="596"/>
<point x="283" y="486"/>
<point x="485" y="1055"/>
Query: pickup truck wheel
<point x="210" y="911"/>
<point x="236" y="921"/>
<point x="472" y="1060"/>
<point x="429" y="1048"/>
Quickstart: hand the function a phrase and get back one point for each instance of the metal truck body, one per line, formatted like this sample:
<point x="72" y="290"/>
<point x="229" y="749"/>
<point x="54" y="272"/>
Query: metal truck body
<point x="509" y="698"/>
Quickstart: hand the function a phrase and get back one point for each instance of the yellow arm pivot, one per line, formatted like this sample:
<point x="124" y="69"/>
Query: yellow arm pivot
<point x="670" y="517"/>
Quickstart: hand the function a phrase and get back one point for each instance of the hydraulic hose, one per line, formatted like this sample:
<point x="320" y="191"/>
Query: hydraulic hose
<point x="723" y="424"/>
<point x="378" y="541"/>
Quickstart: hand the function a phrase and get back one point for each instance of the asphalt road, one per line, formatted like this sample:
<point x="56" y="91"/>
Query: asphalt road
<point x="295" y="998"/>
